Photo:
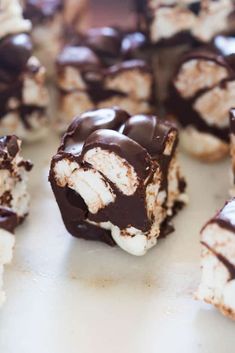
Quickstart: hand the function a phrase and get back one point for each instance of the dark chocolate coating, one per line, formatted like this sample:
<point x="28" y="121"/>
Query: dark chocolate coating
<point x="88" y="122"/>
<point x="182" y="108"/>
<point x="99" y="129"/>
<point x="8" y="219"/>
<point x="15" y="50"/>
<point x="225" y="218"/>
<point x="39" y="11"/>
<point x="100" y="53"/>
<point x="121" y="145"/>
<point x="104" y="41"/>
<point x="9" y="146"/>
<point x="150" y="132"/>
<point x="232" y="121"/>
<point x="81" y="57"/>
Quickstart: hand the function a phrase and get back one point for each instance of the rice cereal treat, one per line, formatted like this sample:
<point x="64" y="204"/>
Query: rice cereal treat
<point x="14" y="197"/>
<point x="217" y="285"/>
<point x="22" y="90"/>
<point x="116" y="178"/>
<point x="101" y="69"/>
<point x="176" y="26"/>
<point x="201" y="94"/>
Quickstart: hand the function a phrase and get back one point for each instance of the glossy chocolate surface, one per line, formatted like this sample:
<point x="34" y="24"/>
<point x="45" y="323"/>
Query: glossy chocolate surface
<point x="38" y="11"/>
<point x="8" y="219"/>
<point x="138" y="140"/>
<point x="183" y="108"/>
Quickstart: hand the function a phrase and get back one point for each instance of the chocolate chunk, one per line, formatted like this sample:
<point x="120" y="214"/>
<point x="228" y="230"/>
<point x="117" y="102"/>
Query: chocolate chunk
<point x="15" y="51"/>
<point x="105" y="41"/>
<point x="8" y="219"/>
<point x="150" y="132"/>
<point x="81" y="57"/>
<point x="89" y="122"/>
<point x="9" y="143"/>
<point x="40" y="10"/>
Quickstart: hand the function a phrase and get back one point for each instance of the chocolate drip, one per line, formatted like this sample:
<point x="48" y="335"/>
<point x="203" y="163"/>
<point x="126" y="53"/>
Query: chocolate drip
<point x="8" y="219"/>
<point x="89" y="122"/>
<point x="230" y="267"/>
<point x="183" y="110"/>
<point x="225" y="218"/>
<point x="15" y="50"/>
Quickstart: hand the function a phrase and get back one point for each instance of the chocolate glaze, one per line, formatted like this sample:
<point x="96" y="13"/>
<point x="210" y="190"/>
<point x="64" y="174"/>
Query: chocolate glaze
<point x="8" y="219"/>
<point x="15" y="50"/>
<point x="105" y="41"/>
<point x="102" y="52"/>
<point x="182" y="108"/>
<point x="150" y="132"/>
<point x="39" y="11"/>
<point x="99" y="129"/>
<point x="88" y="122"/>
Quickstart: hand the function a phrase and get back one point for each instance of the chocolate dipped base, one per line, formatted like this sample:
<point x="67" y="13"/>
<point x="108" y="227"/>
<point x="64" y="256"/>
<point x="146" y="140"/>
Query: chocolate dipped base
<point x="217" y="285"/>
<point x="116" y="178"/>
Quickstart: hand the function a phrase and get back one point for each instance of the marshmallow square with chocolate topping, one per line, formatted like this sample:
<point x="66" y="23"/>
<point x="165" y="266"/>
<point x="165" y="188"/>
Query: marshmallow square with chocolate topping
<point x="116" y="178"/>
<point x="217" y="285"/>
<point x="103" y="68"/>
<point x="24" y="97"/>
<point x="173" y="22"/>
<point x="14" y="197"/>
<point x="201" y="94"/>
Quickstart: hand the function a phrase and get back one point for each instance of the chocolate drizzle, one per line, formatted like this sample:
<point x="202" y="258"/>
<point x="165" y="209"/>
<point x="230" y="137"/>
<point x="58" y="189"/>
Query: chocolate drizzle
<point x="230" y="267"/>
<point x="225" y="218"/>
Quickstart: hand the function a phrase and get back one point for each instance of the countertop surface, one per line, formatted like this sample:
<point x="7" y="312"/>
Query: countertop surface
<point x="66" y="295"/>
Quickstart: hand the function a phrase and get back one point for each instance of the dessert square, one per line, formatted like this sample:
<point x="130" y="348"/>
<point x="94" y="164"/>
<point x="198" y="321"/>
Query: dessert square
<point x="103" y="68"/>
<point x="117" y="179"/>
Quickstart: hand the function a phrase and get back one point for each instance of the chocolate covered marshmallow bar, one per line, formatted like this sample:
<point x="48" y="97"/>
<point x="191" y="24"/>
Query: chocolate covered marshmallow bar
<point x="218" y="261"/>
<point x="103" y="68"/>
<point x="23" y="96"/>
<point x="175" y="26"/>
<point x="14" y="197"/>
<point x="116" y="178"/>
<point x="52" y="21"/>
<point x="201" y="95"/>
